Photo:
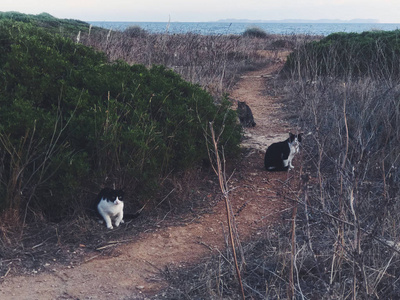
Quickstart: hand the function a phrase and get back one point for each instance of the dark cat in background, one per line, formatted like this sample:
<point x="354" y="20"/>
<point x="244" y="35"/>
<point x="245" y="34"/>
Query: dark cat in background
<point x="245" y="115"/>
<point x="279" y="155"/>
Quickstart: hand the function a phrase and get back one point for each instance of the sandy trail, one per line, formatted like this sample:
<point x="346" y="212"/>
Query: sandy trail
<point x="132" y="271"/>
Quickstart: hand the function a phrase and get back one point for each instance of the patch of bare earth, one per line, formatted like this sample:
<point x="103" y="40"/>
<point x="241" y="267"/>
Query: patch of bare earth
<point x="132" y="271"/>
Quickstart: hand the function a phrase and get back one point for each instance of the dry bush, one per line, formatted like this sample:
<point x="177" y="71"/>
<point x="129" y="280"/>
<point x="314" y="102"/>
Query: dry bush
<point x="212" y="61"/>
<point x="348" y="227"/>
<point x="264" y="274"/>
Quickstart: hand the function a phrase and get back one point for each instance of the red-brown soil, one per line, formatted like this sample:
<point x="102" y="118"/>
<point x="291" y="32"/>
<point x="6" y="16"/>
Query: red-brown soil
<point x="132" y="271"/>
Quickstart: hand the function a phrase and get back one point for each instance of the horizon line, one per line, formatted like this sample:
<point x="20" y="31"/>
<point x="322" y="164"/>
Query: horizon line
<point x="294" y="21"/>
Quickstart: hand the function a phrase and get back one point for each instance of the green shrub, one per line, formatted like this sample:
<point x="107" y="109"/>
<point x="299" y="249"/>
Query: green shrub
<point x="135" y="31"/>
<point x="49" y="22"/>
<point x="69" y="118"/>
<point x="371" y="53"/>
<point x="255" y="32"/>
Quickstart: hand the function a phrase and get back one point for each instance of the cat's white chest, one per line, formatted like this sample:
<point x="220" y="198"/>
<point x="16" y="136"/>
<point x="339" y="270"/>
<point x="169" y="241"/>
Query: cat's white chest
<point x="111" y="208"/>
<point x="294" y="148"/>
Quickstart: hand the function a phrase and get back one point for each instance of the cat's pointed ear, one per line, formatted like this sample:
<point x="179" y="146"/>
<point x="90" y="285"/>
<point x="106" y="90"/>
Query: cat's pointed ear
<point x="123" y="188"/>
<point x="299" y="137"/>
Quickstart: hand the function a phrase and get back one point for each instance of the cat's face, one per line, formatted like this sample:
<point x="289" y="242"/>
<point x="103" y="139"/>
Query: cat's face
<point x="114" y="196"/>
<point x="241" y="105"/>
<point x="295" y="140"/>
<point x="295" y="137"/>
<point x="117" y="197"/>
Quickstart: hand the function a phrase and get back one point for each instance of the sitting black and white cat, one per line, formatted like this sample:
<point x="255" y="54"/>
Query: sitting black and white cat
<point x="110" y="206"/>
<point x="279" y="155"/>
<point x="245" y="115"/>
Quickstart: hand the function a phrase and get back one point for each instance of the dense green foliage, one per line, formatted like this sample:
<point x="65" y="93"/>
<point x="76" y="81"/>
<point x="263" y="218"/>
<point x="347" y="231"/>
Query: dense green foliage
<point x="371" y="53"/>
<point x="69" y="118"/>
<point x="135" y="31"/>
<point x="52" y="24"/>
<point x="255" y="32"/>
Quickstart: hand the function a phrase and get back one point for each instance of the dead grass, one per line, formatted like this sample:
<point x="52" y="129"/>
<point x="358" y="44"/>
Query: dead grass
<point x="215" y="62"/>
<point x="345" y="231"/>
<point x="180" y="199"/>
<point x="349" y="218"/>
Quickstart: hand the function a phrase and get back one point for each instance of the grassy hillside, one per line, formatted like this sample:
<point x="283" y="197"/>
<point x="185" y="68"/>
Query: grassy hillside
<point x="47" y="21"/>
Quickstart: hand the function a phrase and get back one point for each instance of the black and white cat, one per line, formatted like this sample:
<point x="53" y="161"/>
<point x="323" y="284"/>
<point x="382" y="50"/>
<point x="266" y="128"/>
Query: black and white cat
<point x="245" y="114"/>
<point x="279" y="155"/>
<point x="110" y="206"/>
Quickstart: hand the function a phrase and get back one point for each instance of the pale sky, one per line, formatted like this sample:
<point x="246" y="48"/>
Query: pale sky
<point x="386" y="11"/>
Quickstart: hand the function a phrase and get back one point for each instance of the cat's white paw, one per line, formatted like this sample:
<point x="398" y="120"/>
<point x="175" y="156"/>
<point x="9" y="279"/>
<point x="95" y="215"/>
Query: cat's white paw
<point x="110" y="227"/>
<point x="118" y="223"/>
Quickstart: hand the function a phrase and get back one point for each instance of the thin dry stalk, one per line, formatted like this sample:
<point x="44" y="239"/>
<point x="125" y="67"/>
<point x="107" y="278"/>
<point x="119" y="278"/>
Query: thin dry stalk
<point x="291" y="287"/>
<point x="291" y="294"/>
<point x="229" y="216"/>
<point x="350" y="218"/>
<point x="340" y="242"/>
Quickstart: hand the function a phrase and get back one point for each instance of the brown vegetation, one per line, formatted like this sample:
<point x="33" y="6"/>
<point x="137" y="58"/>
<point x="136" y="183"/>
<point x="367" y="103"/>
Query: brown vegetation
<point x="339" y="235"/>
<point x="213" y="61"/>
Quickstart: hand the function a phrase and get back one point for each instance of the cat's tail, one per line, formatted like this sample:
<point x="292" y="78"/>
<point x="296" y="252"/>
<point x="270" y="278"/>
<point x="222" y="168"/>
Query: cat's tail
<point x="272" y="166"/>
<point x="277" y="169"/>
<point x="132" y="216"/>
<point x="135" y="215"/>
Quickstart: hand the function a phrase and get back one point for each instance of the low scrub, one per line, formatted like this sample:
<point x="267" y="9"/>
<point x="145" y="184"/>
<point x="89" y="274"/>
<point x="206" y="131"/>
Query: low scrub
<point x="341" y="240"/>
<point x="255" y="32"/>
<point x="347" y="95"/>
<point x="45" y="20"/>
<point x="373" y="54"/>
<point x="215" y="62"/>
<point x="70" y="119"/>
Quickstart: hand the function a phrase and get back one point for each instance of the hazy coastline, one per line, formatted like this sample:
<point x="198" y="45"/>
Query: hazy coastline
<point x="335" y="21"/>
<point x="238" y="27"/>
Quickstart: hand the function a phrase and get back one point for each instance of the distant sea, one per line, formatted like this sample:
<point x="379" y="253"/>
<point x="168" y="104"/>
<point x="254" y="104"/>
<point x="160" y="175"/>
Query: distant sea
<point x="218" y="28"/>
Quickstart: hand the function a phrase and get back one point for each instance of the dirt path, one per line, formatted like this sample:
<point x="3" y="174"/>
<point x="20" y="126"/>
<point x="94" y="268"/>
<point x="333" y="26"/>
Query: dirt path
<point x="133" y="270"/>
